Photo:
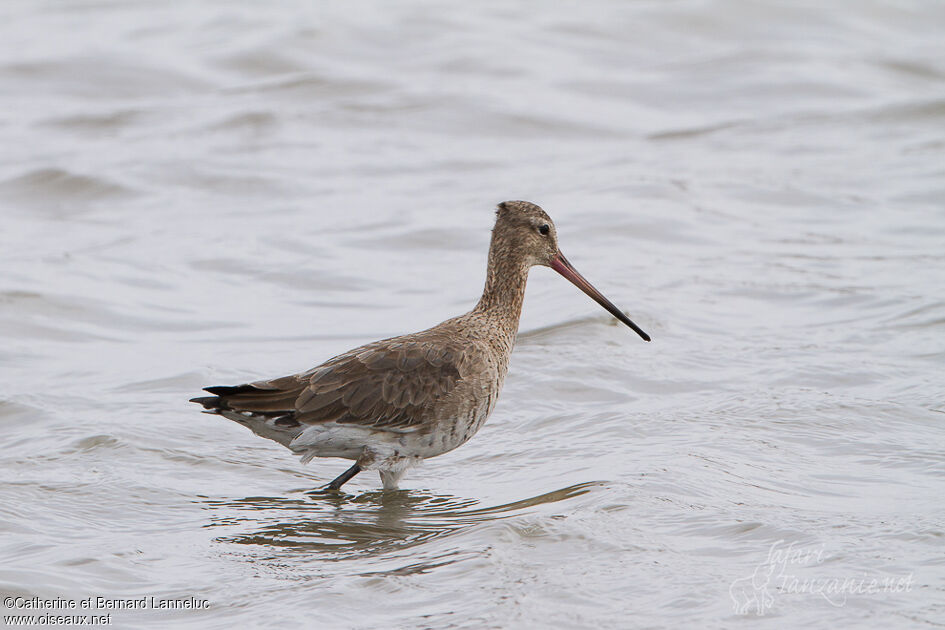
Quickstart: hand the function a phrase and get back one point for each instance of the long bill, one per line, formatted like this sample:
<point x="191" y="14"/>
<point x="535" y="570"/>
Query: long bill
<point x="562" y="266"/>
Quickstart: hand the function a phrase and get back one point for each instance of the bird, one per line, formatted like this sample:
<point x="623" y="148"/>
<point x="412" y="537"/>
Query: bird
<point x="392" y="403"/>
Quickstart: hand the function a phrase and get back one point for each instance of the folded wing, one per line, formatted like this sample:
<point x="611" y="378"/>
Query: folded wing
<point x="389" y="385"/>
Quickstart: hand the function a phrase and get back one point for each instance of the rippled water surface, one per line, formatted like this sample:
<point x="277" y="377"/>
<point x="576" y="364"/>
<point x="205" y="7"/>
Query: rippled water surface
<point x="211" y="192"/>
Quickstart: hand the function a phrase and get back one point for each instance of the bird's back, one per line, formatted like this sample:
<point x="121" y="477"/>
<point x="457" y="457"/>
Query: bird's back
<point x="421" y="383"/>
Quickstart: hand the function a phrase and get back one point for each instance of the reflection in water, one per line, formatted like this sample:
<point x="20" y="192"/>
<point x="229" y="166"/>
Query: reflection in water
<point x="340" y="526"/>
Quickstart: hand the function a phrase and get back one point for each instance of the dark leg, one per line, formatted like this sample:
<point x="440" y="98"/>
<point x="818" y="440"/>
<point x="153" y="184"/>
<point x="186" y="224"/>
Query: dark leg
<point x="341" y="479"/>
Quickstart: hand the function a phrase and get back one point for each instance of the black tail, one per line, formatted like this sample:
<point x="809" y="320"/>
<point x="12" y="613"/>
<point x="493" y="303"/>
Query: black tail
<point x="261" y="399"/>
<point x="222" y="391"/>
<point x="210" y="402"/>
<point x="229" y="390"/>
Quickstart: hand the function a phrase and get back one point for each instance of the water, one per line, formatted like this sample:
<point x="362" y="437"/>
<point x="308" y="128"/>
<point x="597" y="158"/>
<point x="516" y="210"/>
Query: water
<point x="207" y="192"/>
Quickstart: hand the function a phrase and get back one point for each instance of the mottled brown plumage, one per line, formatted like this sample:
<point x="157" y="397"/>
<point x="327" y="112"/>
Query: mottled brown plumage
<point x="390" y="403"/>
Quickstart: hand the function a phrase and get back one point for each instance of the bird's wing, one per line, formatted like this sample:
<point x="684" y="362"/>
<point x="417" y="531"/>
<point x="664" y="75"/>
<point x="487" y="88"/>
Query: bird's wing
<point x="386" y="385"/>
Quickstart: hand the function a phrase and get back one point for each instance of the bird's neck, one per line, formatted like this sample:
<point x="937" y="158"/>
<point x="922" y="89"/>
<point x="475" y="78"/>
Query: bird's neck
<point x="505" y="287"/>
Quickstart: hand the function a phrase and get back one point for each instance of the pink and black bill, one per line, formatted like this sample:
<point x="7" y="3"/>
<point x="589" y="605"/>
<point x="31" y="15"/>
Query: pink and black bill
<point x="562" y="266"/>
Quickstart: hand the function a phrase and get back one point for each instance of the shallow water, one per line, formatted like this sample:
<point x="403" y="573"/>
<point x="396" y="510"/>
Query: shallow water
<point x="208" y="193"/>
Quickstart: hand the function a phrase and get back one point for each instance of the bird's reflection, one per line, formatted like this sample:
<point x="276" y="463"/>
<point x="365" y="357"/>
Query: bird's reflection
<point x="339" y="526"/>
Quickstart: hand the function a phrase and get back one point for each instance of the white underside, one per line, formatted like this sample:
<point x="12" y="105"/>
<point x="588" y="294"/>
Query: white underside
<point x="390" y="453"/>
<point x="387" y="453"/>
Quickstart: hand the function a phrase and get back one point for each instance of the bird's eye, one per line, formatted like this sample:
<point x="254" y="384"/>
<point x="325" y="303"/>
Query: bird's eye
<point x="544" y="229"/>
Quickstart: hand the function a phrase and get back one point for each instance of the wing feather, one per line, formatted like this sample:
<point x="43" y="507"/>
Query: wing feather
<point x="389" y="385"/>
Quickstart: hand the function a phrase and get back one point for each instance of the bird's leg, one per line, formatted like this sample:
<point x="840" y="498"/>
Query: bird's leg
<point x="390" y="478"/>
<point x="341" y="479"/>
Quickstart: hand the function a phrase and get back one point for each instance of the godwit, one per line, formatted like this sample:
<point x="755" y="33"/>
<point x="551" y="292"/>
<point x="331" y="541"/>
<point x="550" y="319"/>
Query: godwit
<point x="391" y="403"/>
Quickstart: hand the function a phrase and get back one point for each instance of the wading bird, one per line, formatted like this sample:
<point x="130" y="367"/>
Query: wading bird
<point x="391" y="403"/>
